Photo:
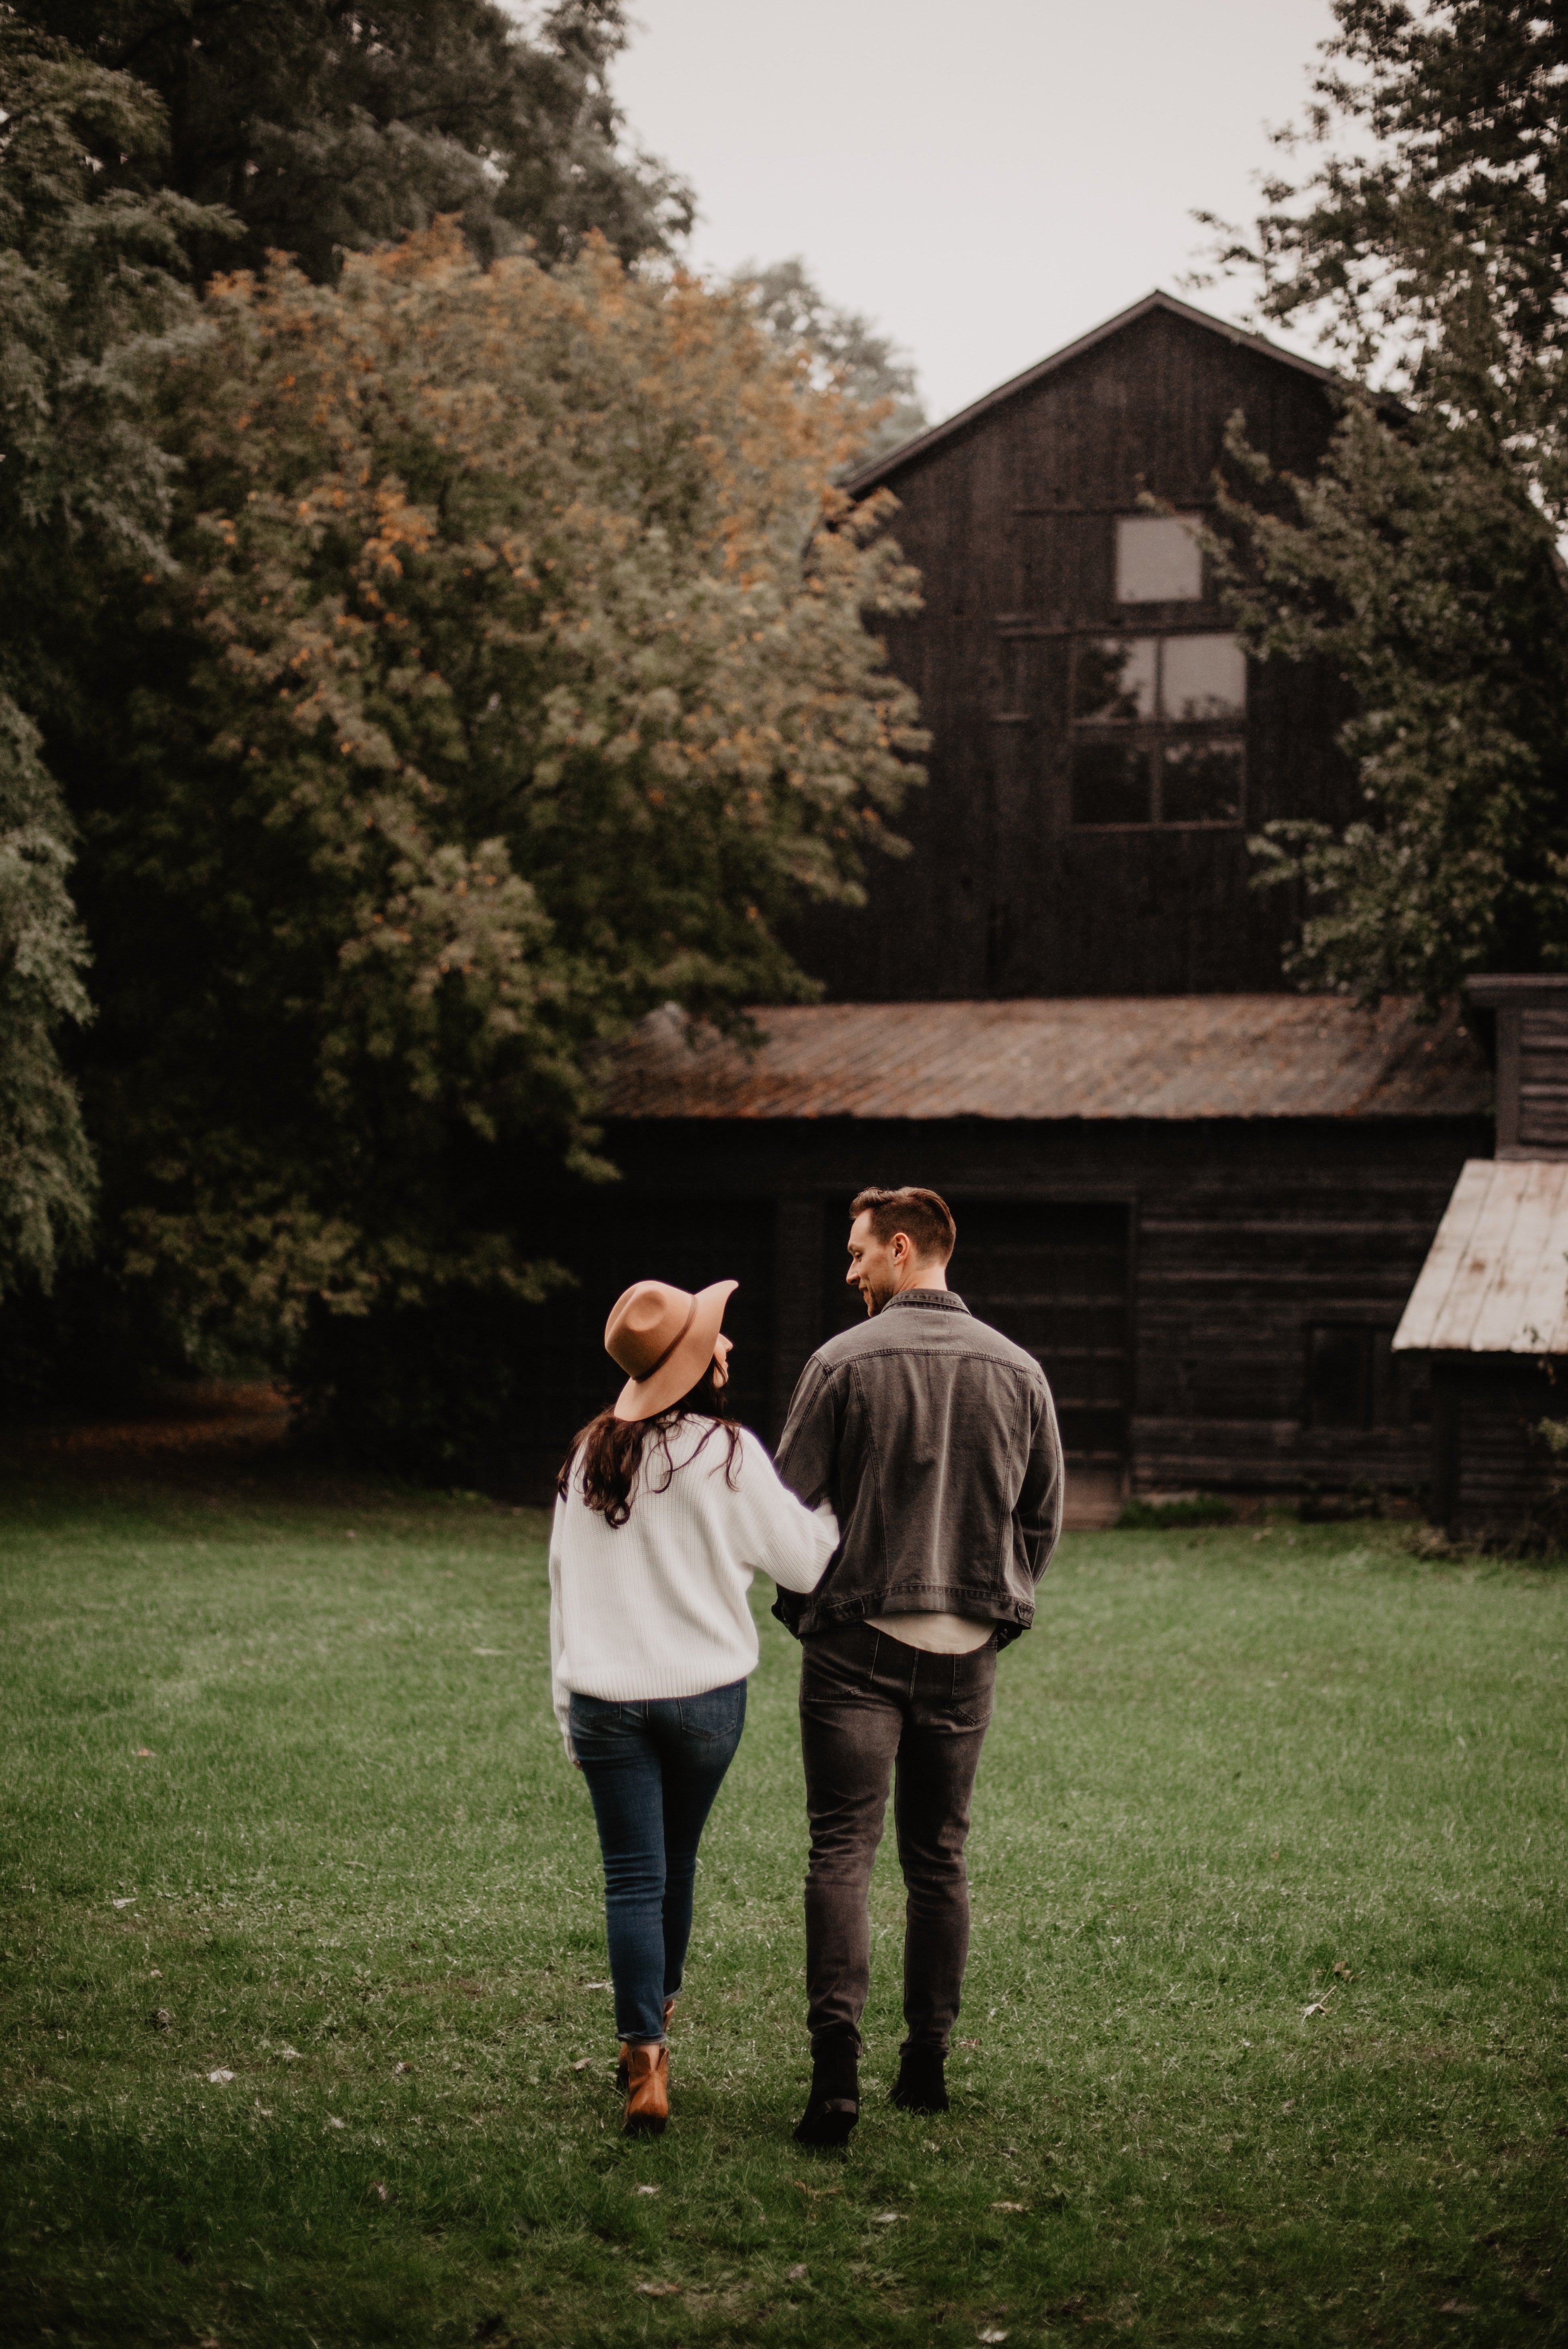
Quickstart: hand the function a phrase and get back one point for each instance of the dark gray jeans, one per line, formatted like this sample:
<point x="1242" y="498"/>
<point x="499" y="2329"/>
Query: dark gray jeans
<point x="867" y="1704"/>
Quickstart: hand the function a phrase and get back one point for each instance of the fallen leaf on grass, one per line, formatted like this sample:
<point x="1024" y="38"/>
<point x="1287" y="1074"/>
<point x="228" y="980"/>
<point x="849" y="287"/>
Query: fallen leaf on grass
<point x="291" y="2054"/>
<point x="658" y="2291"/>
<point x="144" y="1753"/>
<point x="333" y="2122"/>
<point x="1288" y="2105"/>
<point x="598" y="1985"/>
<point x="969" y="2043"/>
<point x="128" y="1902"/>
<point x="382" y="2193"/>
<point x="220" y="2079"/>
<point x="887" y="2217"/>
<point x="582" y="2062"/>
<point x="645" y="2189"/>
<point x="990" y="2332"/>
<point x="816" y="2192"/>
<point x="161" y="2018"/>
<point x="1009" y="2206"/>
<point x="397" y="2069"/>
<point x="1343" y="1970"/>
<point x="798" y="2273"/>
<point x="1318" y="2006"/>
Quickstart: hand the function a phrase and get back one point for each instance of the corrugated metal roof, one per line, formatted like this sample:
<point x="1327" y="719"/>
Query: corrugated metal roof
<point x="1180" y="1056"/>
<point x="880" y="468"/>
<point x="1496" y="1281"/>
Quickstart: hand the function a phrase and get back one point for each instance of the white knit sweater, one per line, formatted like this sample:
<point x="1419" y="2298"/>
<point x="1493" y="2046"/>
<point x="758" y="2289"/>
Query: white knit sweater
<point x="657" y="1607"/>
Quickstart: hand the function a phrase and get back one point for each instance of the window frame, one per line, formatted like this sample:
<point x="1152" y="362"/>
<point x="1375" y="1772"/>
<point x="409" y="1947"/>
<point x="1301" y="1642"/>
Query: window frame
<point x="1153" y="735"/>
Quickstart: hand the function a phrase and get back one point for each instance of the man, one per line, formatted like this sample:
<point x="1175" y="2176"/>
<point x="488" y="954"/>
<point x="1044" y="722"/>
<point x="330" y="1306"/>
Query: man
<point x="936" y="1439"/>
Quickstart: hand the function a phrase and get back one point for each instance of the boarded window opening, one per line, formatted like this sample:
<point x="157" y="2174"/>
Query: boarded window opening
<point x="1159" y="559"/>
<point x="1354" y="1380"/>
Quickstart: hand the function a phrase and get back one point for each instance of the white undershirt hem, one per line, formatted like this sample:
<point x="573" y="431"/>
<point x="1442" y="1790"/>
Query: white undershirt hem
<point x="935" y="1635"/>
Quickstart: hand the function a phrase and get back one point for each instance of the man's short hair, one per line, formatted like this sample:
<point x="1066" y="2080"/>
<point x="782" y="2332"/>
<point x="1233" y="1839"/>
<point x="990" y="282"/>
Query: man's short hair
<point x="924" y="1217"/>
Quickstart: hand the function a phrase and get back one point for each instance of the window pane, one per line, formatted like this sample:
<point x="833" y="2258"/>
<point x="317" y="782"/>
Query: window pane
<point x="1201" y="783"/>
<point x="1157" y="559"/>
<point x="1114" y="679"/>
<point x="1110" y="783"/>
<point x="1204" y="676"/>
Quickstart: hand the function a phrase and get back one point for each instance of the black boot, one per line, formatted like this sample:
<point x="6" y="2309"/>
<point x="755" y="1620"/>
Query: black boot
<point x="834" y="2105"/>
<point x="921" y="2086"/>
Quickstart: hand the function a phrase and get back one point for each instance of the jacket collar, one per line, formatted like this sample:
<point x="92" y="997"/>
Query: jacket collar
<point x="940" y="1300"/>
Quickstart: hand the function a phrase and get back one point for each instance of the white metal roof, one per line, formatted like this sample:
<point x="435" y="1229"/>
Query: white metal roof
<point x="1496" y="1279"/>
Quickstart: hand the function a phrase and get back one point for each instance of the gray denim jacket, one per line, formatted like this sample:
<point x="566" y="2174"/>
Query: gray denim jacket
<point x="936" y="1439"/>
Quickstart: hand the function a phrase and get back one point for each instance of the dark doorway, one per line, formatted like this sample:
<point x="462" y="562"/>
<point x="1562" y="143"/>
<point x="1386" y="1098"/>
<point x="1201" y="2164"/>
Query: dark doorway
<point x="1054" y="1278"/>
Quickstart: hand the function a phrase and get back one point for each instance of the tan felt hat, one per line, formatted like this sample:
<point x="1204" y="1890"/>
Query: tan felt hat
<point x="664" y="1337"/>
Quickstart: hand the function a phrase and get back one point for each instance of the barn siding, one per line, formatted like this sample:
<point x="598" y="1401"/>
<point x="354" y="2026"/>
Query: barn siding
<point x="1492" y="1474"/>
<point x="1243" y="1234"/>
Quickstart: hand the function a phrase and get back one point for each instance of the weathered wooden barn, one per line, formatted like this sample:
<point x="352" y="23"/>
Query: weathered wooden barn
<point x="1200" y="1198"/>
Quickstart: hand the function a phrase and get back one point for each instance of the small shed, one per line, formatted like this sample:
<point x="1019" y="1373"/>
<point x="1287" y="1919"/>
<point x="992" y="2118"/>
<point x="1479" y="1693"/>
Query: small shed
<point x="1489" y="1312"/>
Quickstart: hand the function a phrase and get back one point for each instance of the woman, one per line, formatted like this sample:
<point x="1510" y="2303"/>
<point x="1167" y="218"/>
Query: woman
<point x="667" y="1510"/>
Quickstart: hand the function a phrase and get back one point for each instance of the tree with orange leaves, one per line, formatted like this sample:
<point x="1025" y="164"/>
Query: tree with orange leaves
<point x="515" y="679"/>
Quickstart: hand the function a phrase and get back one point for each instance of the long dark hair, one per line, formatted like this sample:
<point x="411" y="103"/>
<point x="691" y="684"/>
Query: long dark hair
<point x="608" y="1452"/>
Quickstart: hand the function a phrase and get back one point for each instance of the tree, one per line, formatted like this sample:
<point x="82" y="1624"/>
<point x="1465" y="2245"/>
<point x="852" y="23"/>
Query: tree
<point x="46" y="1176"/>
<point x="91" y="295"/>
<point x="1416" y="562"/>
<point x="514" y="681"/>
<point x="843" y="349"/>
<point x="325" y="127"/>
<point x="1425" y="243"/>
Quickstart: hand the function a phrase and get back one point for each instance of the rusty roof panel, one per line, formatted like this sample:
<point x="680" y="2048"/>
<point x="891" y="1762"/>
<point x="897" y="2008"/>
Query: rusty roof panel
<point x="1184" y="1056"/>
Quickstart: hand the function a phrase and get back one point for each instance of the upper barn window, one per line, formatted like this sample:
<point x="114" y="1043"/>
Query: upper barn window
<point x="1157" y="730"/>
<point x="1159" y="559"/>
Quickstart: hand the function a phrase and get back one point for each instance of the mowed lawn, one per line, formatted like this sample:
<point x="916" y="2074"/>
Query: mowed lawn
<point x="1265" y="2028"/>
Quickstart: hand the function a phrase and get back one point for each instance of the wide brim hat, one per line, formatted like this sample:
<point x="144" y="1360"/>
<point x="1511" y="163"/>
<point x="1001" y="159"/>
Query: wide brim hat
<point x="664" y="1337"/>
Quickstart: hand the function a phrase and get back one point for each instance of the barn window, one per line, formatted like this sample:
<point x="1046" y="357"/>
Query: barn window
<point x="1157" y="730"/>
<point x="1159" y="559"/>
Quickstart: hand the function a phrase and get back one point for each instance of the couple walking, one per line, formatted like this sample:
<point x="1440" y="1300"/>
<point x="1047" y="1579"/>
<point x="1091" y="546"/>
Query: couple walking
<point x="915" y="1503"/>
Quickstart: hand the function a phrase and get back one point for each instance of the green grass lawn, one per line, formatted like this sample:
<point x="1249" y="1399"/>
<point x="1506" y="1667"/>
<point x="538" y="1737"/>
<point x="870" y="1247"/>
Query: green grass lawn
<point x="1264" y="2035"/>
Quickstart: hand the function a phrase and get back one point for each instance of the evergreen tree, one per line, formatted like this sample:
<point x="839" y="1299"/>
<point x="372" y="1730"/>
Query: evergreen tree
<point x="327" y="125"/>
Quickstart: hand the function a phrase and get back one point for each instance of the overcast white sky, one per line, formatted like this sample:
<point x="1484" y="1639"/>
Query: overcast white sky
<point x="987" y="181"/>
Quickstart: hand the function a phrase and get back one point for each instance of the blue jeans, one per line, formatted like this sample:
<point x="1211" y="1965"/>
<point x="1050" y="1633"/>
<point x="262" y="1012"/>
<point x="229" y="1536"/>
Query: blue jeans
<point x="653" y="1770"/>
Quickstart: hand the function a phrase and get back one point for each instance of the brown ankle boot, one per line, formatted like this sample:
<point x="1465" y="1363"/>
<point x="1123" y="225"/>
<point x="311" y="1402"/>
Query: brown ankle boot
<point x="621" y="2066"/>
<point x="647" y="2091"/>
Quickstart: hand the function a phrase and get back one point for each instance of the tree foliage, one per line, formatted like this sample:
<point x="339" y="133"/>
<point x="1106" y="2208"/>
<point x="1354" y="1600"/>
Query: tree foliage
<point x="514" y="680"/>
<point x="92" y="298"/>
<point x="1425" y="241"/>
<point x="844" y="350"/>
<point x="325" y="128"/>
<point x="46" y="1178"/>
<point x="1422" y="572"/>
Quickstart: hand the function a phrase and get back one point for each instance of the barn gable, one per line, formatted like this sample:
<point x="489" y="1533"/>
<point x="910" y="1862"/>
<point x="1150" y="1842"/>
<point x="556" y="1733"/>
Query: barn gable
<point x="1100" y="750"/>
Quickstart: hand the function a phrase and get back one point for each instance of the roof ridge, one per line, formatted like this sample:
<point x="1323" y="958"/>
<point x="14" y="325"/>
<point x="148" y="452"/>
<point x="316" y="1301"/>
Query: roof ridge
<point x="867" y="475"/>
